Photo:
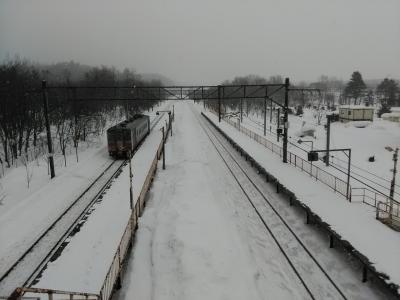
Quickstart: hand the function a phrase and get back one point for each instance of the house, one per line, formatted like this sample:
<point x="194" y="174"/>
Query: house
<point x="356" y="113"/>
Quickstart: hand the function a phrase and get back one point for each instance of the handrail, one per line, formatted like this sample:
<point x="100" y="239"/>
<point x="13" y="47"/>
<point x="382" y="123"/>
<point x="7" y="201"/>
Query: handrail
<point x="51" y="293"/>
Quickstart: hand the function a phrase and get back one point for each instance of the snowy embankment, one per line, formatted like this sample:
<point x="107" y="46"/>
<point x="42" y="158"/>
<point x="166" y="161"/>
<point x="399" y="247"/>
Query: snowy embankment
<point x="84" y="262"/>
<point x="354" y="222"/>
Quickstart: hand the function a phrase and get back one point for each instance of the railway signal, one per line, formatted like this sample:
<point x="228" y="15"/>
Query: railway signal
<point x="313" y="156"/>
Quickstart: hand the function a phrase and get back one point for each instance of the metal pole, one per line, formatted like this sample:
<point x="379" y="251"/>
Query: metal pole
<point x="328" y="137"/>
<point x="219" y="104"/>
<point x="278" y="123"/>
<point x="265" y="116"/>
<point x="348" y="196"/>
<point x="173" y="112"/>
<point x="286" y="124"/>
<point x="170" y="122"/>
<point x="393" y="183"/>
<point x="163" y="149"/>
<point x="270" y="118"/>
<point x="46" y="117"/>
<point x="241" y="110"/>
<point x="130" y="180"/>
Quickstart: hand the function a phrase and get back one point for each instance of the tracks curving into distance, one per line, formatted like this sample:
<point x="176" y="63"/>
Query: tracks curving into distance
<point x="311" y="274"/>
<point x="33" y="260"/>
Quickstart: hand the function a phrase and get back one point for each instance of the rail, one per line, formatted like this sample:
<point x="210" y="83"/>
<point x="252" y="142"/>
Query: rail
<point x="336" y="184"/>
<point x="38" y="293"/>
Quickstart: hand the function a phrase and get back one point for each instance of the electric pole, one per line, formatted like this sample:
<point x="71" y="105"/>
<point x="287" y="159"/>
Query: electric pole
<point x="286" y="121"/>
<point x="393" y="183"/>
<point x="328" y="137"/>
<point x="46" y="118"/>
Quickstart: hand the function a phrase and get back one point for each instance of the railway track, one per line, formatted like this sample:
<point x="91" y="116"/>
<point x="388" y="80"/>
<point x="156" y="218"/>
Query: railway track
<point x="30" y="264"/>
<point x="311" y="274"/>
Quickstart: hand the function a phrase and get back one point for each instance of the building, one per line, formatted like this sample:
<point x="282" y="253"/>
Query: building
<point x="393" y="116"/>
<point x="356" y="113"/>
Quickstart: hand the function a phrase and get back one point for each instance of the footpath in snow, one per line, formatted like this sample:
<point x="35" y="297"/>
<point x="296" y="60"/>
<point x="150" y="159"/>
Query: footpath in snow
<point x="84" y="262"/>
<point x="354" y="222"/>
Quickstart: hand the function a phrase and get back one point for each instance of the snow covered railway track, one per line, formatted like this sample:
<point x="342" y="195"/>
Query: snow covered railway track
<point x="25" y="269"/>
<point x="312" y="276"/>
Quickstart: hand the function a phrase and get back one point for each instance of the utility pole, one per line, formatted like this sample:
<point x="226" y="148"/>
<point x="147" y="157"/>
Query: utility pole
<point x="393" y="183"/>
<point x="328" y="138"/>
<point x="265" y="116"/>
<point x="130" y="180"/>
<point x="270" y="118"/>
<point x="163" y="148"/>
<point x="278" y="125"/>
<point x="219" y="104"/>
<point x="241" y="110"/>
<point x="46" y="117"/>
<point x="286" y="121"/>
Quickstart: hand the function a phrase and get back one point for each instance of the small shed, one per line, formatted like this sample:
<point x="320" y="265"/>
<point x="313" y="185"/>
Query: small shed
<point x="356" y="113"/>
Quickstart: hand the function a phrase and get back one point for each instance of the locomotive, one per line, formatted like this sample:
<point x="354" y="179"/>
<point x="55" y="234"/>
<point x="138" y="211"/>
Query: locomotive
<point x="124" y="137"/>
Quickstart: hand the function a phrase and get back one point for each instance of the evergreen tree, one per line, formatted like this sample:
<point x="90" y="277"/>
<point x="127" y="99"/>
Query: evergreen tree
<point x="356" y="87"/>
<point x="388" y="90"/>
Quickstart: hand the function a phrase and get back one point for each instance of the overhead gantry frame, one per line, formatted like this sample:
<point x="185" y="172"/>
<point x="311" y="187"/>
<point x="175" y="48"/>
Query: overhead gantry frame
<point x="195" y="92"/>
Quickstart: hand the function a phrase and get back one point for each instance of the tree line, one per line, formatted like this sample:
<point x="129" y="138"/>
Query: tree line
<point x="21" y="106"/>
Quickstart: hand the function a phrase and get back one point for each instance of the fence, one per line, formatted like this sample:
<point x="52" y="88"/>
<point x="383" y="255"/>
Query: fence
<point x="336" y="184"/>
<point x="37" y="293"/>
<point x="389" y="213"/>
<point x="113" y="277"/>
<point x="387" y="209"/>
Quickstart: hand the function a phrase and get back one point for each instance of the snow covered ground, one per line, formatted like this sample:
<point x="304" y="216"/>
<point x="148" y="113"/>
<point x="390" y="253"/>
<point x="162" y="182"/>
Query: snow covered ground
<point x="355" y="222"/>
<point x="200" y="239"/>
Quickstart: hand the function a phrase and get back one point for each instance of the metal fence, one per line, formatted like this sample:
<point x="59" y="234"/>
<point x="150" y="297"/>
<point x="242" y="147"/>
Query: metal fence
<point x="38" y="293"/>
<point x="387" y="209"/>
<point x="336" y="184"/>
<point x="113" y="278"/>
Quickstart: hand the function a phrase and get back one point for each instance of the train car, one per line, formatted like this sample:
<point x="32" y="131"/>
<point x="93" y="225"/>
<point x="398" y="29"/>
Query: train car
<point x="126" y="136"/>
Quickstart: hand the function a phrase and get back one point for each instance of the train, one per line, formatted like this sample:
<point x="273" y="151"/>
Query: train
<point x="123" y="138"/>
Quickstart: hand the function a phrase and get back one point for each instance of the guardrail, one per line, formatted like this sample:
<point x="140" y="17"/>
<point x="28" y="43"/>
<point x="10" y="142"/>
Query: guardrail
<point x="336" y="184"/>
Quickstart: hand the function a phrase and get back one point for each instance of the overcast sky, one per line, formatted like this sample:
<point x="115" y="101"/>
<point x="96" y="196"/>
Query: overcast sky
<point x="207" y="41"/>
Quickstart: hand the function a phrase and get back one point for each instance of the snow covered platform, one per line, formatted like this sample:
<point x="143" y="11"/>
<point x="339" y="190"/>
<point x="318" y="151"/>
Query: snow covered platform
<point x="352" y="222"/>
